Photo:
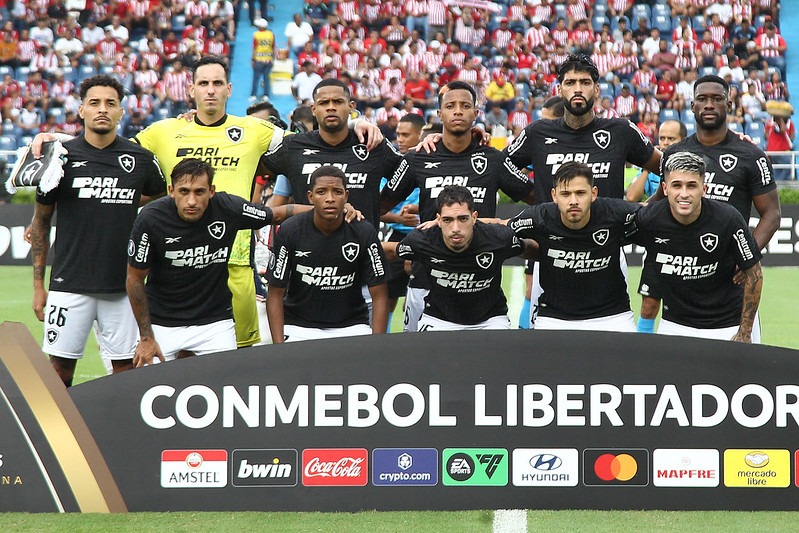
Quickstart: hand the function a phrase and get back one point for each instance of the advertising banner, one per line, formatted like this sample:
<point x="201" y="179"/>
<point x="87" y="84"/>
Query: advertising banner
<point x="442" y="421"/>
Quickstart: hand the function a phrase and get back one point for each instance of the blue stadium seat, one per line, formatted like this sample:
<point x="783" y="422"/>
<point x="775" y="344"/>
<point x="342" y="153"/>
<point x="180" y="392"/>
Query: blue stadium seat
<point x="690" y="128"/>
<point x="560" y="11"/>
<point x="8" y="142"/>
<point x="58" y="113"/>
<point x="686" y="115"/>
<point x="86" y="71"/>
<point x="178" y="23"/>
<point x="755" y="128"/>
<point x="70" y="74"/>
<point x="106" y="69"/>
<point x="601" y="3"/>
<point x="706" y="71"/>
<point x="600" y="9"/>
<point x="698" y="22"/>
<point x="669" y="114"/>
<point x="162" y="113"/>
<point x="598" y="21"/>
<point x="759" y="140"/>
<point x="760" y="20"/>
<point x="21" y="74"/>
<point x="641" y="10"/>
<point x="661" y="2"/>
<point x="8" y="127"/>
<point x="734" y="126"/>
<point x="5" y="69"/>
<point x="662" y="23"/>
<point x="25" y="140"/>
<point x="536" y="114"/>
<point x="661" y="9"/>
<point x="607" y="89"/>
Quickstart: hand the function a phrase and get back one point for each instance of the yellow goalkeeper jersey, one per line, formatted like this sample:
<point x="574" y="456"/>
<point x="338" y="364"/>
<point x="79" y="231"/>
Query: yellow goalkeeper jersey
<point x="233" y="146"/>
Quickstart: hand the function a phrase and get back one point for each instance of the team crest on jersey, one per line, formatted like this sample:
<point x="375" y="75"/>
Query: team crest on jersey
<point x="709" y="241"/>
<point x="234" y="133"/>
<point x="601" y="236"/>
<point x="127" y="162"/>
<point x="360" y="151"/>
<point x="485" y="259"/>
<point x="479" y="163"/>
<point x="52" y="336"/>
<point x="728" y="162"/>
<point x="602" y="138"/>
<point x="350" y="251"/>
<point x="217" y="229"/>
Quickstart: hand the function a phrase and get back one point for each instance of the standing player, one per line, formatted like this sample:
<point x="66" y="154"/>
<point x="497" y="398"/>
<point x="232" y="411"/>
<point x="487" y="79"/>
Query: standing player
<point x="457" y="160"/>
<point x="464" y="257"/>
<point x="738" y="172"/>
<point x="319" y="266"/>
<point x="404" y="217"/>
<point x="604" y="144"/>
<point x="181" y="244"/>
<point x="580" y="239"/>
<point x="97" y="200"/>
<point x="298" y="156"/>
<point x="233" y="146"/>
<point x="694" y="246"/>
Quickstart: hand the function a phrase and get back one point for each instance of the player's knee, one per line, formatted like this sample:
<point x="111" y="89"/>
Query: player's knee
<point x="121" y="365"/>
<point x="65" y="368"/>
<point x="183" y="354"/>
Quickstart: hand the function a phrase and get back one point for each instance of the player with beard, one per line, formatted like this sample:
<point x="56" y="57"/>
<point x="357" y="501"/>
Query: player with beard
<point x="580" y="238"/>
<point x="464" y="257"/>
<point x="459" y="159"/>
<point x="694" y="246"/>
<point x="318" y="268"/>
<point x="298" y="156"/>
<point x="604" y="144"/>
<point x="738" y="172"/>
<point x="97" y="200"/>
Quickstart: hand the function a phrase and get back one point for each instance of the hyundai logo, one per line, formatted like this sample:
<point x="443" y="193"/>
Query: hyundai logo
<point x="545" y="461"/>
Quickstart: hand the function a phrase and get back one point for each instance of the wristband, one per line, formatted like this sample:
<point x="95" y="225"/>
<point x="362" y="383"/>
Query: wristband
<point x="646" y="325"/>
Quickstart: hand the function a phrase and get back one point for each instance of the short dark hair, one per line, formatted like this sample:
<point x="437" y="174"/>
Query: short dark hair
<point x="712" y="78"/>
<point x="569" y="171"/>
<point x="101" y="80"/>
<point x="555" y="105"/>
<point x="417" y="121"/>
<point x="274" y="114"/>
<point x="210" y="60"/>
<point x="327" y="171"/>
<point x="332" y="82"/>
<point x="456" y="86"/>
<point x="454" y="194"/>
<point x="578" y="63"/>
<point x="191" y="166"/>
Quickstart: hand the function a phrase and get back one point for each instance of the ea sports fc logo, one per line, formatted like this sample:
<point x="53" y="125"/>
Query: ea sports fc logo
<point x="607" y="467"/>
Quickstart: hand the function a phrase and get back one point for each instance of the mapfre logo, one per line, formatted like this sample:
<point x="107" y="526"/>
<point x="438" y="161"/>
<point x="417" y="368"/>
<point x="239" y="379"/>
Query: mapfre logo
<point x="335" y="467"/>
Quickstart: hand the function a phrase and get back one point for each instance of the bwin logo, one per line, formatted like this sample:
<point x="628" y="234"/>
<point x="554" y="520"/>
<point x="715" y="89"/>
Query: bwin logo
<point x="546" y="462"/>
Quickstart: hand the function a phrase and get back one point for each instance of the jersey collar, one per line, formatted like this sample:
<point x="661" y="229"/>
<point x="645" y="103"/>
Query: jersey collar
<point x="217" y="123"/>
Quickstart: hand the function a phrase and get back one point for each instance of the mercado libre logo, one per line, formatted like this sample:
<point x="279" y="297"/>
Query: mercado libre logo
<point x="615" y="467"/>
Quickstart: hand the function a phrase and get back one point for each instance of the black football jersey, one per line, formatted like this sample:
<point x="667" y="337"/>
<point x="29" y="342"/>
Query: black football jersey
<point x="581" y="275"/>
<point x="605" y="145"/>
<point x="298" y="156"/>
<point x="188" y="261"/>
<point x="693" y="265"/>
<point x="481" y="169"/>
<point x="96" y="204"/>
<point x="736" y="170"/>
<point x="465" y="287"/>
<point x="323" y="274"/>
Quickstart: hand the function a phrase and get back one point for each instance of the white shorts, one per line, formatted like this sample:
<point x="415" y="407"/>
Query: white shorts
<point x="431" y="323"/>
<point x="202" y="340"/>
<point x="414" y="307"/>
<point x="667" y="327"/>
<point x="538" y="291"/>
<point x="299" y="333"/>
<point x="68" y="318"/>
<point x="622" y="323"/>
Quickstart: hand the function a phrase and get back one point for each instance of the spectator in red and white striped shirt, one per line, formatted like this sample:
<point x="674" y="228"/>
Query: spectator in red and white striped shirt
<point x="581" y="40"/>
<point x="644" y="80"/>
<point x="433" y="58"/>
<point x="619" y="8"/>
<point x="217" y="46"/>
<point x="196" y="32"/>
<point x="388" y="110"/>
<point x="605" y="109"/>
<point x="519" y="118"/>
<point x="605" y="62"/>
<point x="106" y="51"/>
<point x="708" y="49"/>
<point x="501" y="37"/>
<point x="543" y="10"/>
<point x="196" y="8"/>
<point x="438" y="18"/>
<point x="626" y="63"/>
<point x="71" y="124"/>
<point x="679" y="32"/>
<point x="535" y="35"/>
<point x="45" y="61"/>
<point x="416" y="16"/>
<point x="771" y="47"/>
<point x="578" y="10"/>
<point x="560" y="33"/>
<point x="456" y="56"/>
<point x="38" y="90"/>
<point x="625" y="104"/>
<point x="518" y="15"/>
<point x="176" y="88"/>
<point x="26" y="48"/>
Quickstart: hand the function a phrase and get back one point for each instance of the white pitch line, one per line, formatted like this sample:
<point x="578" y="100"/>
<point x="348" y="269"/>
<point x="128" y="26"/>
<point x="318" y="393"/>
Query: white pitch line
<point x="510" y="521"/>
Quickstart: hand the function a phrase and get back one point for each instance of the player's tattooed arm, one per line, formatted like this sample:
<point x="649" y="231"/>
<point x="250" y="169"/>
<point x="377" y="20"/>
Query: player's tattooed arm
<point x="147" y="349"/>
<point x="282" y="212"/>
<point x="530" y="249"/>
<point x="390" y="249"/>
<point x="753" y="286"/>
<point x="40" y="245"/>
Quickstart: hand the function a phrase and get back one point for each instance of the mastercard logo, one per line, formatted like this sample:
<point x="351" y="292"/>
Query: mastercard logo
<point x="621" y="467"/>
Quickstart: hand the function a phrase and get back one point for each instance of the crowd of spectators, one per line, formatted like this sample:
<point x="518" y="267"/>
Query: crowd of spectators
<point x="47" y="47"/>
<point x="395" y="54"/>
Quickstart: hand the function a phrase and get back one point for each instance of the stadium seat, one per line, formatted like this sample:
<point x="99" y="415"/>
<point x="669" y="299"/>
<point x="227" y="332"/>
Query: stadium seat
<point x="686" y="115"/>
<point x="536" y="114"/>
<point x="759" y="140"/>
<point x="661" y="9"/>
<point x="21" y="74"/>
<point x="698" y="22"/>
<point x="58" y="113"/>
<point x="607" y="89"/>
<point x="598" y="21"/>
<point x="25" y="140"/>
<point x="8" y="142"/>
<point x="662" y="23"/>
<point x="669" y="114"/>
<point x="690" y="128"/>
<point x="162" y="113"/>
<point x="600" y="9"/>
<point x="755" y="128"/>
<point x="675" y="22"/>
<point x="86" y="71"/>
<point x="706" y="71"/>
<point x="178" y="24"/>
<point x="760" y="20"/>
<point x="641" y="10"/>
<point x="662" y="2"/>
<point x="70" y="74"/>
<point x="107" y="69"/>
<point x="560" y="11"/>
<point x="734" y="126"/>
<point x="5" y="69"/>
<point x="601" y="3"/>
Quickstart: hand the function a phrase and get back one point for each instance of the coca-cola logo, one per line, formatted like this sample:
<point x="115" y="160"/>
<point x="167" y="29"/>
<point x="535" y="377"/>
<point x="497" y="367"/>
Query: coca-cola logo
<point x="335" y="467"/>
